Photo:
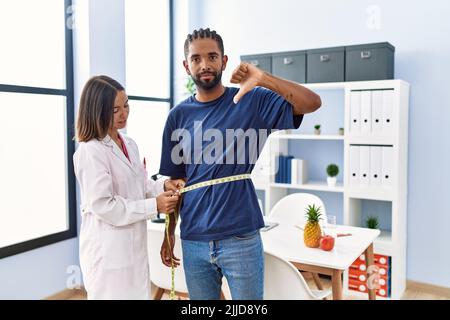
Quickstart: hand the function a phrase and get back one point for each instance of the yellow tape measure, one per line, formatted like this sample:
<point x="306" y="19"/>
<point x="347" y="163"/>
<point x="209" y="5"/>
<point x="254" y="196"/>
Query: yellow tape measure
<point x="184" y="190"/>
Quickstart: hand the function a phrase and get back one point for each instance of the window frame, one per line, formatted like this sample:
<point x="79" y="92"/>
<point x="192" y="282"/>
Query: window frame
<point x="68" y="93"/>
<point x="170" y="99"/>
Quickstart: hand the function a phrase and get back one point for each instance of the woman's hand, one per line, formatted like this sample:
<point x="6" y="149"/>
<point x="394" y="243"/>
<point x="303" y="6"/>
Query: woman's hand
<point x="173" y="185"/>
<point x="167" y="201"/>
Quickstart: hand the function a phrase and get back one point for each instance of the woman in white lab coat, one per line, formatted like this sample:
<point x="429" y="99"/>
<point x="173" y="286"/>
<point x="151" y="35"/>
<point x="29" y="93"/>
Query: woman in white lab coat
<point x="116" y="197"/>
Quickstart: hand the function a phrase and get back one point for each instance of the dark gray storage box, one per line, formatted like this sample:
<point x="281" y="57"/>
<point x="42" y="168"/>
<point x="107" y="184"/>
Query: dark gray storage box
<point x="263" y="61"/>
<point x="325" y="65"/>
<point x="290" y="65"/>
<point x="373" y="61"/>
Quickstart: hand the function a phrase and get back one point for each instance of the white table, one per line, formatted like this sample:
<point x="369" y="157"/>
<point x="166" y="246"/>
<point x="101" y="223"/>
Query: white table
<point x="287" y="242"/>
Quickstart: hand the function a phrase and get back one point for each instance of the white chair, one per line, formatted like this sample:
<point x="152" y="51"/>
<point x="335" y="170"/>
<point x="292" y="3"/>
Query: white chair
<point x="160" y="275"/>
<point x="282" y="281"/>
<point x="292" y="208"/>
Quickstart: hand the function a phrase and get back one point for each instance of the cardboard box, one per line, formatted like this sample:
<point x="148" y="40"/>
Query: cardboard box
<point x="382" y="291"/>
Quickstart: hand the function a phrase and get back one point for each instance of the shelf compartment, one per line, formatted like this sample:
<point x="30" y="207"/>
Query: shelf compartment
<point x="311" y="185"/>
<point x="381" y="194"/>
<point x="370" y="140"/>
<point x="383" y="244"/>
<point x="357" y="295"/>
<point x="298" y="136"/>
<point x="357" y="85"/>
<point x="325" y="85"/>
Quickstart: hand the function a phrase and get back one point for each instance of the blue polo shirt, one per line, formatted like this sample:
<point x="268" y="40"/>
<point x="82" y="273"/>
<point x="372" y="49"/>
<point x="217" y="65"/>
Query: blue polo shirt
<point x="209" y="140"/>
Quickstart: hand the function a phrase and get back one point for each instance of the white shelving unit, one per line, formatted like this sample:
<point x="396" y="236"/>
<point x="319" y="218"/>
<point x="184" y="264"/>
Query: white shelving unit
<point x="311" y="185"/>
<point x="294" y="136"/>
<point x="391" y="242"/>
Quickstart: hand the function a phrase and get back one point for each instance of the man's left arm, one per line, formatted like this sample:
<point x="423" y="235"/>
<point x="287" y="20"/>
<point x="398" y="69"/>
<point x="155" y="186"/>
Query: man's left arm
<point x="302" y="99"/>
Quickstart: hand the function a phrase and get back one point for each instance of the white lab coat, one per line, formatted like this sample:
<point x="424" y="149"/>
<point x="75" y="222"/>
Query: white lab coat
<point x="116" y="201"/>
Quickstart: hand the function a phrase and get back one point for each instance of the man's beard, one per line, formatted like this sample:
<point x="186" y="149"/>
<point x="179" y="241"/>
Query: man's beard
<point x="207" y="85"/>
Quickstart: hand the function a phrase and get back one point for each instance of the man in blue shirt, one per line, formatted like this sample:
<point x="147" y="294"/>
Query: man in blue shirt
<point x="216" y="133"/>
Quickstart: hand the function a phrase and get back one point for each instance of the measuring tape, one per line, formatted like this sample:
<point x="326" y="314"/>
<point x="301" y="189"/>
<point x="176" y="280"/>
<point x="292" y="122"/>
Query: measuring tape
<point x="187" y="189"/>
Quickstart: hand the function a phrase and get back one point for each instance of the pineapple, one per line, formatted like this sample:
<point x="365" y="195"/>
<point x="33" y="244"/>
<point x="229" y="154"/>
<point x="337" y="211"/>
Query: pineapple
<point x="312" y="232"/>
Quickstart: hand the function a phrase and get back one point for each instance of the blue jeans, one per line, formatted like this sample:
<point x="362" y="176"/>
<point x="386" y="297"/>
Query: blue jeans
<point x="239" y="258"/>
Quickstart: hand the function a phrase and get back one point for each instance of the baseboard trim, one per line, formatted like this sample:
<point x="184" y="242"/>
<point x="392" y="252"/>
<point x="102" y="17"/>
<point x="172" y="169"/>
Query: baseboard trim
<point x="428" y="288"/>
<point x="66" y="294"/>
<point x="410" y="285"/>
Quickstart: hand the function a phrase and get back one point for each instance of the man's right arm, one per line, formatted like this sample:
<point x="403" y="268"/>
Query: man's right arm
<point x="168" y="244"/>
<point x="301" y="98"/>
<point x="172" y="222"/>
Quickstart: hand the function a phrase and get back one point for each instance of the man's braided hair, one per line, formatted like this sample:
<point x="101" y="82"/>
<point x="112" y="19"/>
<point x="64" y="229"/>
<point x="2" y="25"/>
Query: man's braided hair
<point x="203" y="33"/>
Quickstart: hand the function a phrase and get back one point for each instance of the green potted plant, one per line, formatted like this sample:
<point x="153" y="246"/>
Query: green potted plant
<point x="317" y="129"/>
<point x="372" y="222"/>
<point x="332" y="172"/>
<point x="190" y="86"/>
<point x="341" y="131"/>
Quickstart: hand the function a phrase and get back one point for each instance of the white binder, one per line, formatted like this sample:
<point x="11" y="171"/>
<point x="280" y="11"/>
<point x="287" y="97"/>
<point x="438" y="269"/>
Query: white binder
<point x="294" y="171"/>
<point x="388" y="112"/>
<point x="354" y="165"/>
<point x="274" y="165"/>
<point x="364" y="165"/>
<point x="375" y="166"/>
<point x="388" y="158"/>
<point x="377" y="111"/>
<point x="366" y="109"/>
<point x="299" y="172"/>
<point x="355" y="112"/>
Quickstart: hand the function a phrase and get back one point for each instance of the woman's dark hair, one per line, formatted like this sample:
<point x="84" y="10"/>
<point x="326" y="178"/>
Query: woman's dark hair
<point x="95" y="113"/>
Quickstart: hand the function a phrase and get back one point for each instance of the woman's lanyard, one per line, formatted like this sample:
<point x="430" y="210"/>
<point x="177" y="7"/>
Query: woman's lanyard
<point x="124" y="148"/>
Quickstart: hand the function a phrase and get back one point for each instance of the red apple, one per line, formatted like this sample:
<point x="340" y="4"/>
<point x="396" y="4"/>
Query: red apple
<point x="326" y="242"/>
